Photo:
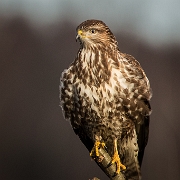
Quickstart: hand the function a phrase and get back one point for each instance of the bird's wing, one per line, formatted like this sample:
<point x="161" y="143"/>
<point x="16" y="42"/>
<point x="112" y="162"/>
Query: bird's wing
<point x="66" y="94"/>
<point x="137" y="76"/>
<point x="143" y="96"/>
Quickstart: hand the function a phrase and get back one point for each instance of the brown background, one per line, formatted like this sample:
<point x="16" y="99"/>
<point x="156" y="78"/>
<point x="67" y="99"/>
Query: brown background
<point x="36" y="142"/>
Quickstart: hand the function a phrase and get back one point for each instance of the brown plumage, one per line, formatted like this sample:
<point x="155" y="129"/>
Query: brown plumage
<point x="105" y="94"/>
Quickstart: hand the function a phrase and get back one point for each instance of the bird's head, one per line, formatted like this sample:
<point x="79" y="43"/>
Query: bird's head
<point x="94" y="33"/>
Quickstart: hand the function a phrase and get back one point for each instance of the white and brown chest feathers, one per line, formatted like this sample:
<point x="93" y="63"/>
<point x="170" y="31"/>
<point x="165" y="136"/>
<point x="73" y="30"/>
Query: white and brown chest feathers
<point x="103" y="90"/>
<point x="106" y="93"/>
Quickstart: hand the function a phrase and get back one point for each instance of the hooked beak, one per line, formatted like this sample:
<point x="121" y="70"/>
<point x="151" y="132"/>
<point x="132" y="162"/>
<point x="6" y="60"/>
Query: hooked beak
<point x="79" y="35"/>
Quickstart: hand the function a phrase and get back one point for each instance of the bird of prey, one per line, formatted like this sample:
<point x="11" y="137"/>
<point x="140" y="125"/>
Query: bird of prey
<point x="105" y="94"/>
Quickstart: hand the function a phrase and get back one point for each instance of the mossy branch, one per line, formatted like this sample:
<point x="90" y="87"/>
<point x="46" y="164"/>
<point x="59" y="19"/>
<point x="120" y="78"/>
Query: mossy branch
<point x="104" y="159"/>
<point x="104" y="162"/>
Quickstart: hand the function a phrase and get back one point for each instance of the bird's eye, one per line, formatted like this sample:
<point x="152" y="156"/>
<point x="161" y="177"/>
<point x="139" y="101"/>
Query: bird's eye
<point x="93" y="31"/>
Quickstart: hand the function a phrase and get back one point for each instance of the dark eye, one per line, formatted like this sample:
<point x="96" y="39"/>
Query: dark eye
<point x="93" y="31"/>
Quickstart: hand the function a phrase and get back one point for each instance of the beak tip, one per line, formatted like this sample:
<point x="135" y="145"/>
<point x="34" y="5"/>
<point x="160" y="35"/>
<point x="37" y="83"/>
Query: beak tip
<point x="77" y="37"/>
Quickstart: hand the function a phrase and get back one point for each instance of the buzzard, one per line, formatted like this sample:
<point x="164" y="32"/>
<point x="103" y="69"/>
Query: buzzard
<point x="105" y="95"/>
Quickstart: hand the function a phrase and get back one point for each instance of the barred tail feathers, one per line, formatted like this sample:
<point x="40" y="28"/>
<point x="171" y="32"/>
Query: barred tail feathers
<point x="129" y="151"/>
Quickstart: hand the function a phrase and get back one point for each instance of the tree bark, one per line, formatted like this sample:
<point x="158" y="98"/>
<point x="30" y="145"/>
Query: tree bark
<point x="104" y="159"/>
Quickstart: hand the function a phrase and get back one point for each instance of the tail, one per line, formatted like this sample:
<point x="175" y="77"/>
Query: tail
<point x="129" y="152"/>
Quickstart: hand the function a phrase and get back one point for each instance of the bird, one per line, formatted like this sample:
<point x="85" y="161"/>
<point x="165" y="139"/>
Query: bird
<point x="105" y="94"/>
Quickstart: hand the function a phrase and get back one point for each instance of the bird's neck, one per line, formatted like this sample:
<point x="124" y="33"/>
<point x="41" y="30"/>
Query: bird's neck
<point x="97" y="63"/>
<point x="94" y="56"/>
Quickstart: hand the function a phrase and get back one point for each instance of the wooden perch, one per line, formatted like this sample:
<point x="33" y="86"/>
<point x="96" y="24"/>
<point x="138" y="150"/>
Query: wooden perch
<point x="104" y="159"/>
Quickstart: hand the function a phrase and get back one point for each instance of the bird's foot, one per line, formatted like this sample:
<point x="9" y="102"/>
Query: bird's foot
<point x="119" y="165"/>
<point x="116" y="159"/>
<point x="95" y="148"/>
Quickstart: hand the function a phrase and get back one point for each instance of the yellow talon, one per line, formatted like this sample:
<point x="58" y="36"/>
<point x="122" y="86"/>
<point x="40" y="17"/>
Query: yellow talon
<point x="116" y="159"/>
<point x="95" y="148"/>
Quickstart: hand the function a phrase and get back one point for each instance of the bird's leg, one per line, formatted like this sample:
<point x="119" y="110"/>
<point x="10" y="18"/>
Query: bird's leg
<point x="96" y="146"/>
<point x="116" y="159"/>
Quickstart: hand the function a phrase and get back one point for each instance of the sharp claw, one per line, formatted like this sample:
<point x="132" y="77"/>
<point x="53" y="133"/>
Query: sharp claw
<point x="95" y="148"/>
<point x="116" y="159"/>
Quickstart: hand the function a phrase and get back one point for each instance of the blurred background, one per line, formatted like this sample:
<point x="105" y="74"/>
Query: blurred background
<point x="37" y="42"/>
